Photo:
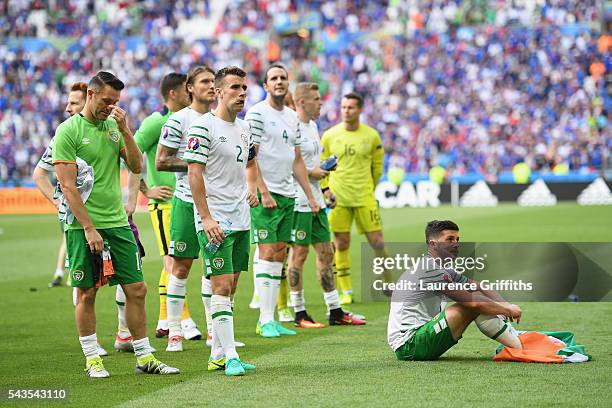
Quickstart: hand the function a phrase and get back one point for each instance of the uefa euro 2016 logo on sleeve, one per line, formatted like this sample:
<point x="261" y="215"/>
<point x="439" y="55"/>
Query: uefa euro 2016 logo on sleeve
<point x="193" y="143"/>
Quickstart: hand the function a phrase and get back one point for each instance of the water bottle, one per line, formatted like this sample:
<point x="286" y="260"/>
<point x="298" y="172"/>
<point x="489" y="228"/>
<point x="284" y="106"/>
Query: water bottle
<point x="212" y="248"/>
<point x="329" y="163"/>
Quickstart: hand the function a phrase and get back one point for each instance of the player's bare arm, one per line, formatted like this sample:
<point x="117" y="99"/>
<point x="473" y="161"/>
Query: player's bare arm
<point x="166" y="160"/>
<point x="484" y="304"/>
<point x="66" y="174"/>
<point x="41" y="178"/>
<point x="252" y="174"/>
<point x="132" y="198"/>
<point x="266" y="198"/>
<point x="155" y="193"/>
<point x="301" y="175"/>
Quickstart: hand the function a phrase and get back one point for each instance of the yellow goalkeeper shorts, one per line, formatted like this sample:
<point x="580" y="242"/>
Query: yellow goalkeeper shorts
<point x="367" y="218"/>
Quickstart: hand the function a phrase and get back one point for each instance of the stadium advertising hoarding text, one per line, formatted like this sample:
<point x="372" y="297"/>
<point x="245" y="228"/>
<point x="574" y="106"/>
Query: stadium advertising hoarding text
<point x="519" y="271"/>
<point x="24" y="200"/>
<point x="426" y="193"/>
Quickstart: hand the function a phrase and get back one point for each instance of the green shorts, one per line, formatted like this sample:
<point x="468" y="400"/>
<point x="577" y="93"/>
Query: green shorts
<point x="183" y="237"/>
<point x="273" y="225"/>
<point x="309" y="228"/>
<point x="429" y="342"/>
<point x="124" y="253"/>
<point x="231" y="257"/>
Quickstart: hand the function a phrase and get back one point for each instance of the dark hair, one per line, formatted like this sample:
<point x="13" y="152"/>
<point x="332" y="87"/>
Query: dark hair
<point x="356" y="96"/>
<point x="79" y="87"/>
<point x="272" y="67"/>
<point x="434" y="228"/>
<point x="224" y="72"/>
<point x="105" y="78"/>
<point x="171" y="82"/>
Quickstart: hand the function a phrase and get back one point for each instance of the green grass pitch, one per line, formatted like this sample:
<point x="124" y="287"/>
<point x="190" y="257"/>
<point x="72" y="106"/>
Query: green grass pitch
<point x="335" y="366"/>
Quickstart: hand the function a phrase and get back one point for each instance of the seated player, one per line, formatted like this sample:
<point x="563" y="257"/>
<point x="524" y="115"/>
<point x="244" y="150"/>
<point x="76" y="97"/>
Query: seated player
<point x="420" y="329"/>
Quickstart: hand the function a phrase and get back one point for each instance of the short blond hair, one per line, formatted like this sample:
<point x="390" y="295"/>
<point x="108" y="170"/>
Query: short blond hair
<point x="303" y="88"/>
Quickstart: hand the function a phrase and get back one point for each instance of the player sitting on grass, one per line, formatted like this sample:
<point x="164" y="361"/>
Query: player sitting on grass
<point x="419" y="329"/>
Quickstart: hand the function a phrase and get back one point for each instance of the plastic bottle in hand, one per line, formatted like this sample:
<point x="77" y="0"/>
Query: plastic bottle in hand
<point x="212" y="248"/>
<point x="330" y="163"/>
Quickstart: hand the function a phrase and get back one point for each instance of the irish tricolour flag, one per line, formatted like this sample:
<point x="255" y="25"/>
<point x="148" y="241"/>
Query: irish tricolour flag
<point x="544" y="347"/>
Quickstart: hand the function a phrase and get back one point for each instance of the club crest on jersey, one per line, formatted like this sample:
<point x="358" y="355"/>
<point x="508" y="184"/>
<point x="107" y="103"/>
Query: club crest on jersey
<point x="263" y="234"/>
<point x="181" y="246"/>
<point x="77" y="275"/>
<point x="113" y="135"/>
<point x="301" y="235"/>
<point x="193" y="143"/>
<point x="218" y="263"/>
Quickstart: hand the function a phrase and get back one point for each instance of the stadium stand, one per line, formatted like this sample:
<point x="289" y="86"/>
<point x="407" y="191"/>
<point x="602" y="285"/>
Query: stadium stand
<point x="473" y="86"/>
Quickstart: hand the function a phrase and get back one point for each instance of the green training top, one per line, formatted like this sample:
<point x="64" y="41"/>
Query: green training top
<point x="99" y="145"/>
<point x="147" y="138"/>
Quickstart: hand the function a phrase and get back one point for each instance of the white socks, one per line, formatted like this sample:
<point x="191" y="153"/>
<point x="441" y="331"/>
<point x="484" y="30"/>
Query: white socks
<point x="59" y="273"/>
<point x="206" y="296"/>
<point x="297" y="299"/>
<point x="496" y="329"/>
<point x="176" y="300"/>
<point x="223" y="323"/>
<point x="267" y="279"/>
<point x="89" y="344"/>
<point x="332" y="300"/>
<point x="142" y="348"/>
<point x="122" y="331"/>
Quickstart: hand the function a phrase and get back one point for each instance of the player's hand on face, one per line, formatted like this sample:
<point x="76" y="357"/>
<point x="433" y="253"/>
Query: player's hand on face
<point x="94" y="240"/>
<point x="120" y="117"/>
<point x="252" y="199"/>
<point x="159" y="193"/>
<point x="314" y="206"/>
<point x="318" y="173"/>
<point x="268" y="201"/>
<point x="515" y="313"/>
<point x="213" y="231"/>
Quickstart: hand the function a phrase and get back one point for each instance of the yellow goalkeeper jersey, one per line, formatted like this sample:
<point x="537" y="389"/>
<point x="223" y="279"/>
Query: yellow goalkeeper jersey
<point x="360" y="164"/>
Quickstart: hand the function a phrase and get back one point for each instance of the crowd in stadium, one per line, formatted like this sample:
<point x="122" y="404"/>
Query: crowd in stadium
<point x="474" y="89"/>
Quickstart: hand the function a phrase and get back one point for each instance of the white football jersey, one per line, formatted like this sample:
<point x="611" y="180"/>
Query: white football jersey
<point x="223" y="147"/>
<point x="277" y="134"/>
<point x="310" y="148"/>
<point x="174" y="135"/>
